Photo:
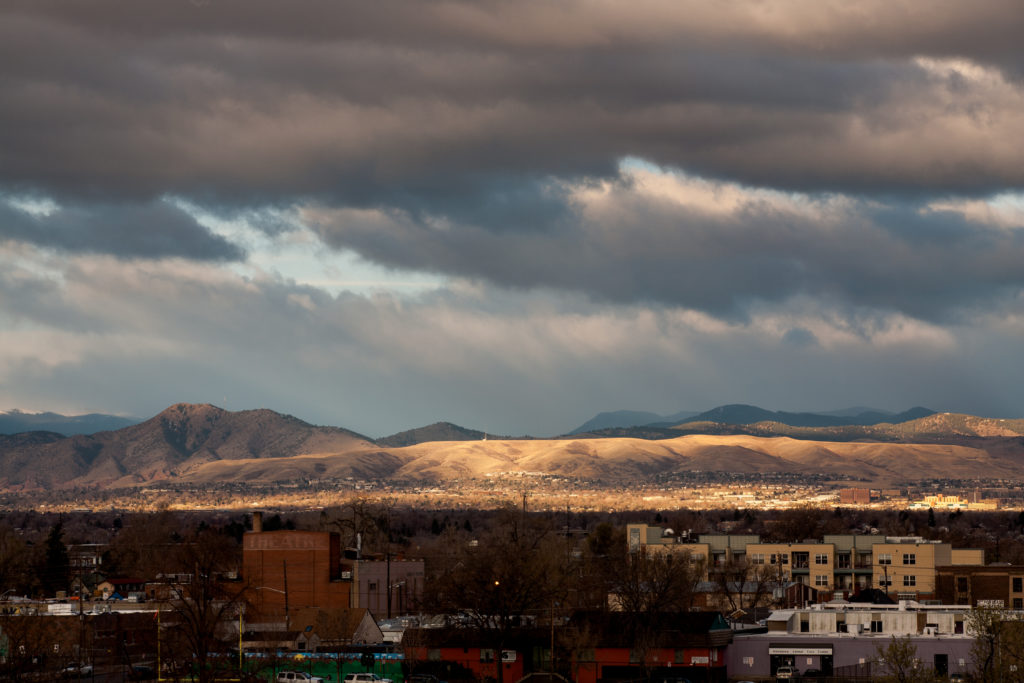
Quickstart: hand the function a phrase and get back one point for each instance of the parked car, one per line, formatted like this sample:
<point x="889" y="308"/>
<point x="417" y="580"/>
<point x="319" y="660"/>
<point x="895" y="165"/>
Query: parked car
<point x="813" y="673"/>
<point x="297" y="677"/>
<point x="365" y="678"/>
<point x="785" y="673"/>
<point x="142" y="672"/>
<point x="422" y="678"/>
<point x="76" y="670"/>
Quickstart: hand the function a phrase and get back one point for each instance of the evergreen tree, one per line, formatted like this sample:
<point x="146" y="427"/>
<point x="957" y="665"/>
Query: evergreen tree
<point x="55" y="573"/>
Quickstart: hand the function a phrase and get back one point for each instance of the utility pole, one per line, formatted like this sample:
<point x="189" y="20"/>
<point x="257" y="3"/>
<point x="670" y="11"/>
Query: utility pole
<point x="287" y="617"/>
<point x="387" y="558"/>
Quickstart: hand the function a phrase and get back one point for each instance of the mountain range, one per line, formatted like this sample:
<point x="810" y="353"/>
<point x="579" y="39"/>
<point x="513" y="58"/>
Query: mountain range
<point x="742" y="414"/>
<point x="205" y="444"/>
<point x="15" y="421"/>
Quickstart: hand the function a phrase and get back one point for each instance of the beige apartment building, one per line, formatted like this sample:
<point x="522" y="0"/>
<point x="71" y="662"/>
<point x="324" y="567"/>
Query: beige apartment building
<point x="904" y="567"/>
<point x="812" y="564"/>
<point x="653" y="539"/>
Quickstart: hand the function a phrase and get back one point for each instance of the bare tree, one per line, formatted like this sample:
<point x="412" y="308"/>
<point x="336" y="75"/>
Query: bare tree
<point x="141" y="547"/>
<point x="648" y="586"/>
<point x="511" y="573"/>
<point x="743" y="585"/>
<point x="648" y="583"/>
<point x="202" y="623"/>
<point x="998" y="650"/>
<point x="14" y="560"/>
<point x="899" y="659"/>
<point x="361" y="522"/>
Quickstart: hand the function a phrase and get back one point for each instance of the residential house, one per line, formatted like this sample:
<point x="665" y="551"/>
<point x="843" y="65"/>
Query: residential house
<point x="122" y="589"/>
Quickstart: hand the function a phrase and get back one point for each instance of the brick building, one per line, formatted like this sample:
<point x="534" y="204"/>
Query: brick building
<point x="992" y="585"/>
<point x="289" y="571"/>
<point x="854" y="496"/>
<point x="292" y="570"/>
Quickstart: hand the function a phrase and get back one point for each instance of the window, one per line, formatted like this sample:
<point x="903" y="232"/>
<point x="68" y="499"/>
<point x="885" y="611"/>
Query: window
<point x="843" y="561"/>
<point x="805" y="626"/>
<point x="876" y="625"/>
<point x="1018" y="603"/>
<point x="757" y="558"/>
<point x="885" y="558"/>
<point x="961" y="584"/>
<point x="486" y="655"/>
<point x="1018" y="584"/>
<point x="884" y="580"/>
<point x="909" y="558"/>
<point x="821" y="580"/>
<point x="909" y="580"/>
<point x="785" y="558"/>
<point x="821" y="558"/>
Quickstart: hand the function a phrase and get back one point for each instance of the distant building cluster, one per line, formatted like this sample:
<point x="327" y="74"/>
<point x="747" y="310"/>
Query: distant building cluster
<point x="951" y="502"/>
<point x="936" y="501"/>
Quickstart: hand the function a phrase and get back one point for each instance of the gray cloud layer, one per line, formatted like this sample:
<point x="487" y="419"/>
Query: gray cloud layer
<point x="152" y="230"/>
<point x="146" y="335"/>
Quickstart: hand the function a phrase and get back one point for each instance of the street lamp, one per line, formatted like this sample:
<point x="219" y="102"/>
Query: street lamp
<point x="287" y="620"/>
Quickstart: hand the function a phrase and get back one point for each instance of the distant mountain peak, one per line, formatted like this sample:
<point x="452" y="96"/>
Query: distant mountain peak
<point x="628" y="418"/>
<point x="191" y="409"/>
<point x="439" y="431"/>
<point x="172" y="443"/>
<point x="15" y="421"/>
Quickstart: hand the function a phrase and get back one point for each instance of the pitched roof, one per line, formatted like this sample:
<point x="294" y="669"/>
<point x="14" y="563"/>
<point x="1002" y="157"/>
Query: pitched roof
<point x="339" y="623"/>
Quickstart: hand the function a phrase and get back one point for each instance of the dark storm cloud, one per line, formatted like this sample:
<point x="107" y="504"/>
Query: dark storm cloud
<point x="630" y="245"/>
<point x="375" y="102"/>
<point x="153" y="230"/>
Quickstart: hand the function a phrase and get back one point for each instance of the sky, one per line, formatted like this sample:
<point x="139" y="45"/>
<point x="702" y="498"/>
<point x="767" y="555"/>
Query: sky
<point x="511" y="214"/>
